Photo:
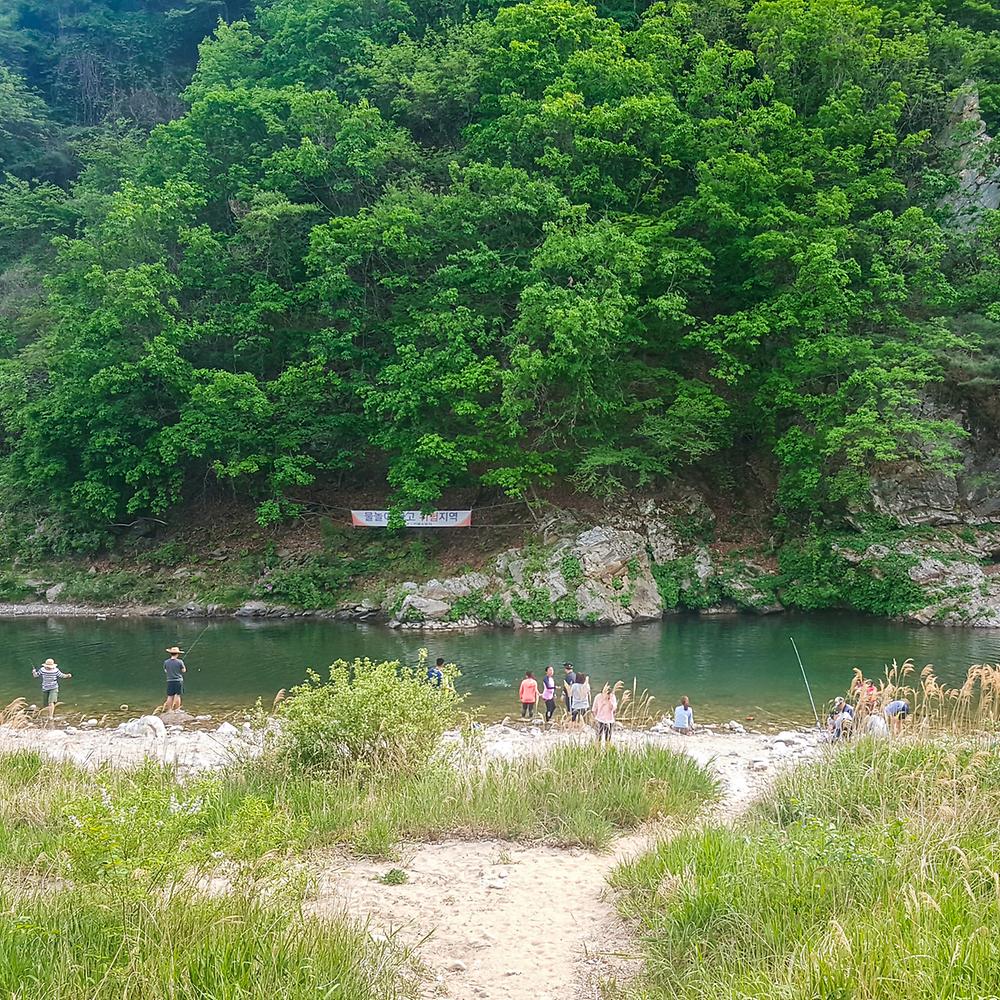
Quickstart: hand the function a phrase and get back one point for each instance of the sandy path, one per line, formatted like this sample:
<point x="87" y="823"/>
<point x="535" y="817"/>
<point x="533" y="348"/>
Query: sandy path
<point x="489" y="919"/>
<point x="512" y="921"/>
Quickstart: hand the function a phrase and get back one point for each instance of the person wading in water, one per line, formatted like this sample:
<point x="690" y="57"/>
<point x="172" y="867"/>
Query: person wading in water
<point x="175" y="670"/>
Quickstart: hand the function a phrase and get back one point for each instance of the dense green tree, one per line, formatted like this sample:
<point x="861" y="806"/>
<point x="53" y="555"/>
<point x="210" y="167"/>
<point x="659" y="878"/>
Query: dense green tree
<point x="491" y="245"/>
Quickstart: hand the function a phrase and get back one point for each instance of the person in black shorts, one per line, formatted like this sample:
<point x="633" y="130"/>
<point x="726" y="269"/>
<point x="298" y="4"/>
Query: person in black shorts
<point x="569" y="679"/>
<point x="175" y="670"/>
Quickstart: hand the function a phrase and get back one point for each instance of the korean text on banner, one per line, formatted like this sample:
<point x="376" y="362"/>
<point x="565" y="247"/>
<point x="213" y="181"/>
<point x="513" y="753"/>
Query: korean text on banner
<point x="413" y="519"/>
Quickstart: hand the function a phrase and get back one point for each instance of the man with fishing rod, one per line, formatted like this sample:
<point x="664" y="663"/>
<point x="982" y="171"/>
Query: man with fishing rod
<point x="175" y="669"/>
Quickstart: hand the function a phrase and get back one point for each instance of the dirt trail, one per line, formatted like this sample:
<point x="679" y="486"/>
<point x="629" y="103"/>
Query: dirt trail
<point x="507" y="921"/>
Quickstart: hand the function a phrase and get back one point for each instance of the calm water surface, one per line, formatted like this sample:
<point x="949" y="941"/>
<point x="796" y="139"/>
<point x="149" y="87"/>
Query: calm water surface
<point x="730" y="667"/>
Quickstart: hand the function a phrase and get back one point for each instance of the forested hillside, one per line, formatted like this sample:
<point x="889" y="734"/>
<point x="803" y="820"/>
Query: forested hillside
<point x="504" y="246"/>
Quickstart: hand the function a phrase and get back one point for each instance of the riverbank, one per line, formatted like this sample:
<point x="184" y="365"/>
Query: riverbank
<point x="742" y="760"/>
<point x="567" y="563"/>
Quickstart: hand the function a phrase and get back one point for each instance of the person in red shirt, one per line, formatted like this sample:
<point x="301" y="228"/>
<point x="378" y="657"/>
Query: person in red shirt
<point x="529" y="695"/>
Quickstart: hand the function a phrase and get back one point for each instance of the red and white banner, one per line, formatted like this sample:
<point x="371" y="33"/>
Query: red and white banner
<point x="413" y="519"/>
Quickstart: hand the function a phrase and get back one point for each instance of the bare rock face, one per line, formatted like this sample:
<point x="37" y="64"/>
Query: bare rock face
<point x="423" y="609"/>
<point x="912" y="495"/>
<point x="977" y="168"/>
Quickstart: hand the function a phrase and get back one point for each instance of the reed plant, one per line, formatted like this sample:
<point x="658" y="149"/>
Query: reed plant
<point x="874" y="873"/>
<point x="937" y="707"/>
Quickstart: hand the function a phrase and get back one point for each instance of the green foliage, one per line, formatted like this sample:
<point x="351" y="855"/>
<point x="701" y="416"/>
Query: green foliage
<point x="478" y="605"/>
<point x="367" y="718"/>
<point x="394" y="876"/>
<point x="464" y="246"/>
<point x="815" y="573"/>
<point x="538" y="606"/>
<point x="572" y="571"/>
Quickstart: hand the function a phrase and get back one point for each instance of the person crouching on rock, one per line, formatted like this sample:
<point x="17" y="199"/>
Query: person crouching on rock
<point x="50" y="675"/>
<point x="529" y="695"/>
<point x="175" y="670"/>
<point x="841" y="719"/>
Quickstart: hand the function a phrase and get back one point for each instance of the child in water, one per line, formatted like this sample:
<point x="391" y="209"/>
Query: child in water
<point x="50" y="675"/>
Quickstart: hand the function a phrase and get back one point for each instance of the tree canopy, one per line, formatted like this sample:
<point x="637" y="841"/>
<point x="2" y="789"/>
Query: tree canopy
<point x="459" y="245"/>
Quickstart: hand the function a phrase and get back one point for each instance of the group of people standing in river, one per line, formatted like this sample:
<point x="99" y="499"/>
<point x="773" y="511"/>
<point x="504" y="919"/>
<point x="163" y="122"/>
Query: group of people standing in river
<point x="50" y="675"/>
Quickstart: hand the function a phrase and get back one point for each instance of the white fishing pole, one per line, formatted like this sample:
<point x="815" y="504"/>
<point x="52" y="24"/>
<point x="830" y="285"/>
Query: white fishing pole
<point x="806" y="681"/>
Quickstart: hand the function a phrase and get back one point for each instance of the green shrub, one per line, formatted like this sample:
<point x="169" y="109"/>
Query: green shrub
<point x="169" y="554"/>
<point x="572" y="571"/>
<point x="477" y="605"/>
<point x="814" y="575"/>
<point x="367" y="718"/>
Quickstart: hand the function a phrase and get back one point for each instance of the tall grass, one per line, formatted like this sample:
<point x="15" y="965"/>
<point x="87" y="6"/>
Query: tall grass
<point x="105" y="880"/>
<point x="873" y="874"/>
<point x="77" y="945"/>
<point x="936" y="706"/>
<point x="573" y="795"/>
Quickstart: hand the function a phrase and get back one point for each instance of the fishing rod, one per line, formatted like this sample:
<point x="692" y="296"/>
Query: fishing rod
<point x="200" y="634"/>
<point x="805" y="680"/>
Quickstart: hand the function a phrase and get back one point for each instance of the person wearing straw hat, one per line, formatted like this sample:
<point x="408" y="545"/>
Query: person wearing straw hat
<point x="50" y="675"/>
<point x="175" y="670"/>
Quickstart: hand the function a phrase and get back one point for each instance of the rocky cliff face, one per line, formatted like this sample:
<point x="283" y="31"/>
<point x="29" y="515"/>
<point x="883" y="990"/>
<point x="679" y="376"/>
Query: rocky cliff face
<point x="976" y="165"/>
<point x="926" y="550"/>
<point x="650" y="558"/>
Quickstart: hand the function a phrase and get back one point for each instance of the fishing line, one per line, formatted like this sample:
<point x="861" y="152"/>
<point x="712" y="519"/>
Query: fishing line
<point x="195" y="643"/>
<point x="806" y="680"/>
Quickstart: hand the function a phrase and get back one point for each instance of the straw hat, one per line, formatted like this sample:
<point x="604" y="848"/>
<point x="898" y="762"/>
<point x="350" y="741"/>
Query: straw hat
<point x="174" y="651"/>
<point x="50" y="663"/>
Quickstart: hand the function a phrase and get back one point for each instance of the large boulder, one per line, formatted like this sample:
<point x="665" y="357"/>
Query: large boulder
<point x="422" y="609"/>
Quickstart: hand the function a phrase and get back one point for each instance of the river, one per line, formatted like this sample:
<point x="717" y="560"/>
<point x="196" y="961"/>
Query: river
<point x="731" y="667"/>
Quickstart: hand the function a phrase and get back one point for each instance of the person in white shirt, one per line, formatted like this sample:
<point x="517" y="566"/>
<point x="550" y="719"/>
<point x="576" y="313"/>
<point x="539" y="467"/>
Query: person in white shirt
<point x="604" y="708"/>
<point x="684" y="717"/>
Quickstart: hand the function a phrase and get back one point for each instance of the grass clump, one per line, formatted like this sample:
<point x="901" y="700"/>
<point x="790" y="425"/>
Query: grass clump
<point x="873" y="873"/>
<point x="76" y="945"/>
<point x="394" y="876"/>
<point x="130" y="884"/>
<point x="574" y="795"/>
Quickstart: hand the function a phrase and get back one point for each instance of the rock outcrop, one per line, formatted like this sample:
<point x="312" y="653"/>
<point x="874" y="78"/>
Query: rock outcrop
<point x="976" y="163"/>
<point x="633" y="569"/>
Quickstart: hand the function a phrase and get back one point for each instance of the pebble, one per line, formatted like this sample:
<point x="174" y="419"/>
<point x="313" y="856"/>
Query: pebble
<point x="496" y="884"/>
<point x="457" y="965"/>
<point x="90" y="724"/>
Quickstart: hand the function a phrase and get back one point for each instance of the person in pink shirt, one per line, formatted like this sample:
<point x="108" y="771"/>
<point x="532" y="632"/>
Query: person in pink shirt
<point x="605" y="705"/>
<point x="529" y="695"/>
